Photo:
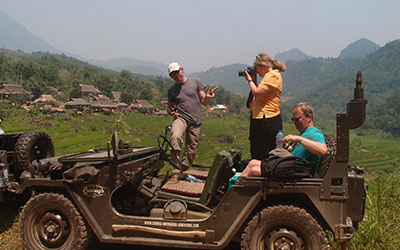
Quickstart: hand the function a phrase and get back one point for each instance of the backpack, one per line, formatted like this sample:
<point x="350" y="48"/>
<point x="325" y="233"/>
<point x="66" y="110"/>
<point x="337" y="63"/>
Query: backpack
<point x="284" y="168"/>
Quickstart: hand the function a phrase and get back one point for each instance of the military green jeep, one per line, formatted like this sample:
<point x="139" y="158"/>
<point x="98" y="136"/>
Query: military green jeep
<point x="17" y="152"/>
<point x="127" y="195"/>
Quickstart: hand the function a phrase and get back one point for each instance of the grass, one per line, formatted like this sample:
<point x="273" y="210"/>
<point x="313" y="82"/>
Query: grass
<point x="379" y="157"/>
<point x="375" y="154"/>
<point x="381" y="226"/>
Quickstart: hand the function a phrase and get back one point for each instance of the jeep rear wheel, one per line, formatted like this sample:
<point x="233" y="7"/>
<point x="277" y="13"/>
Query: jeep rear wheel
<point x="284" y="227"/>
<point x="32" y="145"/>
<point x="51" y="221"/>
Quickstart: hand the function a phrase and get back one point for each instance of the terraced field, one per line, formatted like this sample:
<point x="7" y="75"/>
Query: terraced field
<point x="375" y="154"/>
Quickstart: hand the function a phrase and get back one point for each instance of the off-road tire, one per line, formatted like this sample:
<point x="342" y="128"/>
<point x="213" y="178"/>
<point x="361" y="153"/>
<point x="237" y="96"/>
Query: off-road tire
<point x="284" y="227"/>
<point x="51" y="221"/>
<point x="32" y="145"/>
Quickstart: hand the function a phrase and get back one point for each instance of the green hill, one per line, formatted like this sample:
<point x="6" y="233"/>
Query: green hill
<point x="328" y="82"/>
<point x="360" y="47"/>
<point x="227" y="77"/>
<point x="38" y="71"/>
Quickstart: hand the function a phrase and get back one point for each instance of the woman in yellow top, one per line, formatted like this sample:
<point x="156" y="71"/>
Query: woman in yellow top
<point x="265" y="110"/>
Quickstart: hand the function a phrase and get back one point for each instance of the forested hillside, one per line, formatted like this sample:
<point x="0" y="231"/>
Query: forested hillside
<point x="325" y="82"/>
<point x="362" y="47"/>
<point x="328" y="83"/>
<point x="38" y="71"/>
<point x="227" y="77"/>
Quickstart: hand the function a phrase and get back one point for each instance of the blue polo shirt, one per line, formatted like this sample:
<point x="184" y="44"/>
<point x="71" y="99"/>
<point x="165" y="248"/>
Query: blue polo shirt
<point x="313" y="134"/>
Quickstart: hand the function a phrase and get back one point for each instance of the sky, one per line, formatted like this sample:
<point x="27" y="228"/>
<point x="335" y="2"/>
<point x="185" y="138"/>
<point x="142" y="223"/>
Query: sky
<point x="205" y="33"/>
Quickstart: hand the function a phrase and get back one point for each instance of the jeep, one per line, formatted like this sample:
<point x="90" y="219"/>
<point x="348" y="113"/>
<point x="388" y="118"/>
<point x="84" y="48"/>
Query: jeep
<point x="129" y="195"/>
<point x="17" y="152"/>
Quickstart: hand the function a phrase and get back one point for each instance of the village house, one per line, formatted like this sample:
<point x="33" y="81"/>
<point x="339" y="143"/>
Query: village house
<point x="54" y="92"/>
<point x="142" y="106"/>
<point x="122" y="105"/>
<point x="11" y="89"/>
<point x="116" y="96"/>
<point x="219" y="107"/>
<point x="89" y="90"/>
<point x="77" y="103"/>
<point x="44" y="98"/>
<point x="165" y="101"/>
<point x="57" y="110"/>
<point x="102" y="102"/>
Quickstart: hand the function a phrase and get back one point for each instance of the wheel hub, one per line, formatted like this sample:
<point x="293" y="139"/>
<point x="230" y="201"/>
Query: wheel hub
<point x="53" y="229"/>
<point x="284" y="239"/>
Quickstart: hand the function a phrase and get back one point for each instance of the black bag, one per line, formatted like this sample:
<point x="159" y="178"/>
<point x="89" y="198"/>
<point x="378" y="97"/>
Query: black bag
<point x="290" y="167"/>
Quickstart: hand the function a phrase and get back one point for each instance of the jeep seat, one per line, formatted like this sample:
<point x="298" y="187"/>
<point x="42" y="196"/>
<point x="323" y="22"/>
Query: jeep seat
<point x="220" y="172"/>
<point x="201" y="174"/>
<point x="326" y="160"/>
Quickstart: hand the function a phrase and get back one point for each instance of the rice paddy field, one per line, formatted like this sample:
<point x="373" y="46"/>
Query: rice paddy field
<point x="72" y="134"/>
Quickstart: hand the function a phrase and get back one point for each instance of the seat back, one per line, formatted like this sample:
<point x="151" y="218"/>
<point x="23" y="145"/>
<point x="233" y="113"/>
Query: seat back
<point x="220" y="172"/>
<point x="326" y="160"/>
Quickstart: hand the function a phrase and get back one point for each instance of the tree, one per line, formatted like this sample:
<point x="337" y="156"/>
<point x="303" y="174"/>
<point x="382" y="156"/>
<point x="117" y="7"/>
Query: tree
<point x="125" y="74"/>
<point x="127" y="97"/>
<point x="146" y="92"/>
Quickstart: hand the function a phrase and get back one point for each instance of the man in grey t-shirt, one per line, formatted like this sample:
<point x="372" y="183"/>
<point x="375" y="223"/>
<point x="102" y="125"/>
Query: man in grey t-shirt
<point x="184" y="99"/>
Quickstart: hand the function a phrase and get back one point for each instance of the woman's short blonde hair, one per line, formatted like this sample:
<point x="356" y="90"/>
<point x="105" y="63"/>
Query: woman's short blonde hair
<point x="265" y="60"/>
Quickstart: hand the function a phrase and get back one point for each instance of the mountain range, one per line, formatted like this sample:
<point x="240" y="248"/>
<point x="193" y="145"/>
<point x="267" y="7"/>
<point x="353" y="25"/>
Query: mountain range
<point x="326" y="82"/>
<point x="360" y="47"/>
<point x="292" y="55"/>
<point x="133" y="65"/>
<point x="16" y="37"/>
<point x="304" y="73"/>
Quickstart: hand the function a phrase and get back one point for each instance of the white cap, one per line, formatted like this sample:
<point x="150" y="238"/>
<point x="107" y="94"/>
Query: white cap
<point x="173" y="67"/>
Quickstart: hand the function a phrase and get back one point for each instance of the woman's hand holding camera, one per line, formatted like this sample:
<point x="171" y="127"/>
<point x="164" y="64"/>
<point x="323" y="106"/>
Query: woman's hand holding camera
<point x="247" y="76"/>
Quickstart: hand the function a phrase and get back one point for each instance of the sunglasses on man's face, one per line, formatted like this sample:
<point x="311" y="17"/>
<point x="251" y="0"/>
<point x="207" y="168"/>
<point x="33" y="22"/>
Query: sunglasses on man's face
<point x="174" y="73"/>
<point x="297" y="119"/>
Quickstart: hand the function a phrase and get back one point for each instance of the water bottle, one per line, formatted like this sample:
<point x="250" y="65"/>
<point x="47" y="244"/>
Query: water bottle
<point x="279" y="138"/>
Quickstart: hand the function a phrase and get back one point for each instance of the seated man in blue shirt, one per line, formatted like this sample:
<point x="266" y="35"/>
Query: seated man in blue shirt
<point x="310" y="144"/>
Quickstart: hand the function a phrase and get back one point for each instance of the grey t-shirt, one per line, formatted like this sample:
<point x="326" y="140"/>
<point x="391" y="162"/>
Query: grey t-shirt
<point x="187" y="100"/>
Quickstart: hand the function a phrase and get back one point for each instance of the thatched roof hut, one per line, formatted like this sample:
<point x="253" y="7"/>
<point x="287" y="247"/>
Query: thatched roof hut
<point x="77" y="103"/>
<point x="102" y="101"/>
<point x="12" y="89"/>
<point x="45" y="98"/>
<point x="116" y="96"/>
<point x="141" y="106"/>
<point x="87" y="89"/>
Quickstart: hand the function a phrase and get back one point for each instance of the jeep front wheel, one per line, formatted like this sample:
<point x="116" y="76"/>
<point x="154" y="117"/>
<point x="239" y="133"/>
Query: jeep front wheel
<point x="284" y="227"/>
<point x="51" y="221"/>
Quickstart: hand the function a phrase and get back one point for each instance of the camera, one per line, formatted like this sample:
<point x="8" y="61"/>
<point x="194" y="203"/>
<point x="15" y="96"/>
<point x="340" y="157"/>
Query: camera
<point x="251" y="70"/>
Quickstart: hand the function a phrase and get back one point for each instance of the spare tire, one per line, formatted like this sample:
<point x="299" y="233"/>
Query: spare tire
<point x="31" y="145"/>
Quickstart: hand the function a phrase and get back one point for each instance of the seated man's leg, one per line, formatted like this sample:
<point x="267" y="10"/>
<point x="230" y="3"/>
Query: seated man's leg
<point x="252" y="169"/>
<point x="177" y="132"/>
